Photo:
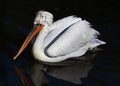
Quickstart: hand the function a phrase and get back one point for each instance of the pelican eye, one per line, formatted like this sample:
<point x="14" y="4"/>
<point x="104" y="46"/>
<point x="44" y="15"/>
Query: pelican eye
<point x="38" y="21"/>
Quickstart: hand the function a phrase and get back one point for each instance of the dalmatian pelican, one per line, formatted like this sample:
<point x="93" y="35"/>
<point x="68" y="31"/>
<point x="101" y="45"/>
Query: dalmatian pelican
<point x="66" y="38"/>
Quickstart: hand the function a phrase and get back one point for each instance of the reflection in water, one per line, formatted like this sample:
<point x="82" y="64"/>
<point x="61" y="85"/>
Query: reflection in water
<point x="104" y="17"/>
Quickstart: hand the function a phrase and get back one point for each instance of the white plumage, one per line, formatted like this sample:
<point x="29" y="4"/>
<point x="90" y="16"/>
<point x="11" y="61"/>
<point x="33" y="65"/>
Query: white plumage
<point x="66" y="38"/>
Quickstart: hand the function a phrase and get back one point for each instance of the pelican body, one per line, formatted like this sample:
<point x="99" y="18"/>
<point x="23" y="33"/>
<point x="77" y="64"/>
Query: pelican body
<point x="66" y="38"/>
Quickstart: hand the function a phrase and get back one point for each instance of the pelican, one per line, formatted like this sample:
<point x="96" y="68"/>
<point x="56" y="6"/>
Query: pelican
<point x="66" y="38"/>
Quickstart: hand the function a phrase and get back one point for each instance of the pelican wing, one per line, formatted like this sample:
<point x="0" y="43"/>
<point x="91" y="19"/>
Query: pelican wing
<point x="59" y="26"/>
<point x="68" y="36"/>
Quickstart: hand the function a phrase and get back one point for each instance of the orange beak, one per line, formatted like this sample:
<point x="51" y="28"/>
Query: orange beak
<point x="32" y="34"/>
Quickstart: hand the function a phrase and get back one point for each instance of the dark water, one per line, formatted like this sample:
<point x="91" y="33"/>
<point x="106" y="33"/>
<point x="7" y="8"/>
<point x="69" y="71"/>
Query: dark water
<point x="16" y="20"/>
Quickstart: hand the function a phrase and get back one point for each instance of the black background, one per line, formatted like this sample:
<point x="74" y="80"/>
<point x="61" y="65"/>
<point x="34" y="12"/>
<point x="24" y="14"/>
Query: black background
<point x="16" y="20"/>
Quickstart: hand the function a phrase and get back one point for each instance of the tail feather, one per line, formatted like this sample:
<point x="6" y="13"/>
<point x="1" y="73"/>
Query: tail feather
<point x="96" y="42"/>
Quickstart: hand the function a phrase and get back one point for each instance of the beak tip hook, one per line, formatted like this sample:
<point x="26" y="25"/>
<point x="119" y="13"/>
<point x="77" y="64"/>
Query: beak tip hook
<point x="14" y="58"/>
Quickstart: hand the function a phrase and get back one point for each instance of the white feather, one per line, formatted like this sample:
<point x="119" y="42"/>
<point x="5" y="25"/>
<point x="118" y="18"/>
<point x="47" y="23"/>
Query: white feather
<point x="74" y="42"/>
<point x="77" y="36"/>
<point x="58" y="26"/>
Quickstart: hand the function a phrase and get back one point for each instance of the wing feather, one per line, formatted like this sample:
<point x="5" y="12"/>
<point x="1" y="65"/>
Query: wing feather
<point x="58" y="26"/>
<point x="76" y="35"/>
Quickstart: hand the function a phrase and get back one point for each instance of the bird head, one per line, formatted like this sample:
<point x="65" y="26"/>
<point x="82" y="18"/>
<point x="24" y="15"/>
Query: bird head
<point x="44" y="18"/>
